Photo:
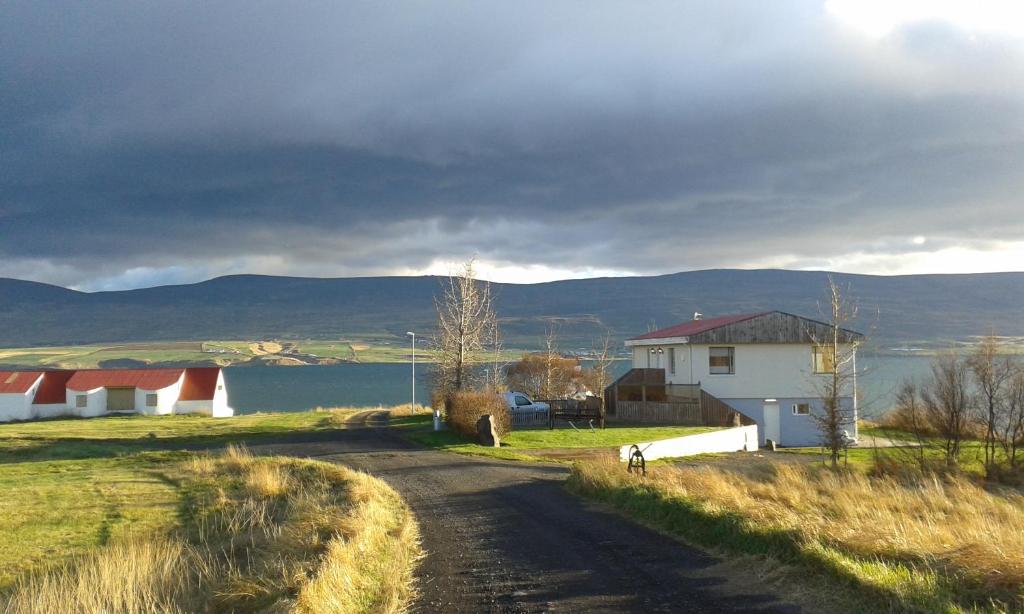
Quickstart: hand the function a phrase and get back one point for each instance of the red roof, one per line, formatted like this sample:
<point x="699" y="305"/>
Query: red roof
<point x="695" y="327"/>
<point x="200" y="384"/>
<point x="52" y="390"/>
<point x="18" y="382"/>
<point x="147" y="379"/>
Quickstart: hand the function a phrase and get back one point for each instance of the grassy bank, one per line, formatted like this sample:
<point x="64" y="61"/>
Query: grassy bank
<point x="868" y="543"/>
<point x="515" y="444"/>
<point x="229" y="532"/>
<point x="107" y="436"/>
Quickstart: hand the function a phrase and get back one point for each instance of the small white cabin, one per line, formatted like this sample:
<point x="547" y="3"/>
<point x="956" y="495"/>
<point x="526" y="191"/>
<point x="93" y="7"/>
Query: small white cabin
<point x="25" y="395"/>
<point x="768" y="366"/>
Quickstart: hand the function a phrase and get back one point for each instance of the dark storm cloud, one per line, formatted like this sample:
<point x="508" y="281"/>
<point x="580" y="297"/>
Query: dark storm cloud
<point x="154" y="142"/>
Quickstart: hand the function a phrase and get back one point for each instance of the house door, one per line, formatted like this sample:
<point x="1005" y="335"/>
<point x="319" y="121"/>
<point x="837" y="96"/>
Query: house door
<point x="120" y="399"/>
<point x="771" y="422"/>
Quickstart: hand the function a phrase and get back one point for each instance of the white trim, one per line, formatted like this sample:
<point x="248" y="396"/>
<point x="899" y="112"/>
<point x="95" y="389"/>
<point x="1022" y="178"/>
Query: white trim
<point x="660" y="341"/>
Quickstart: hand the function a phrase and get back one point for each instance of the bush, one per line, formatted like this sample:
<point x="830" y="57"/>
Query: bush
<point x="463" y="409"/>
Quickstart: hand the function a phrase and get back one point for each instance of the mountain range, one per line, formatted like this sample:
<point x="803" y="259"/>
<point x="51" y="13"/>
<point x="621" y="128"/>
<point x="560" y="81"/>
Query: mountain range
<point x="896" y="309"/>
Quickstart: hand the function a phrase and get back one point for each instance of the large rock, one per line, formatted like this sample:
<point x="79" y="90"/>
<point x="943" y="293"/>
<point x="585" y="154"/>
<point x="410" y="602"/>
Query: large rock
<point x="486" y="433"/>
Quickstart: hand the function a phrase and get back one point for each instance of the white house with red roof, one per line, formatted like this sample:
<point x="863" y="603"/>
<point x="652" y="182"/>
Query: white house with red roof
<point x="768" y="366"/>
<point x="25" y="395"/>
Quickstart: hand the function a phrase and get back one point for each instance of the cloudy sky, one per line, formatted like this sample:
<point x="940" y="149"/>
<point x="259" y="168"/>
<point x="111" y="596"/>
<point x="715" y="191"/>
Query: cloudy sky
<point x="164" y="142"/>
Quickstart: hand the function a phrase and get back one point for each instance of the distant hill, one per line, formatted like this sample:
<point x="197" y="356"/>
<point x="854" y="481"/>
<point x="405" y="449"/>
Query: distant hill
<point x="912" y="308"/>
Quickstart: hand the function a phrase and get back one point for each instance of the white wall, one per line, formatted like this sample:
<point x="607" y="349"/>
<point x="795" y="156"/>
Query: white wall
<point x="51" y="410"/>
<point x="96" y="402"/>
<point x="217" y="407"/>
<point x="18" y="406"/>
<point x="165" y="399"/>
<point x="763" y="370"/>
<point x="741" y="438"/>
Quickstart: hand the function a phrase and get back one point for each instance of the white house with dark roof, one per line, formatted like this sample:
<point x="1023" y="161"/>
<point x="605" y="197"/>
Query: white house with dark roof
<point x="765" y="365"/>
<point x="25" y="395"/>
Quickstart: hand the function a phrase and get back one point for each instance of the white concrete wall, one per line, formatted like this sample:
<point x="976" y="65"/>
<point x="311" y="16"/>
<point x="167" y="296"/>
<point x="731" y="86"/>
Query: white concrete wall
<point x="740" y="438"/>
<point x="96" y="402"/>
<point x="18" y="406"/>
<point x="217" y="407"/>
<point x="763" y="370"/>
<point x="166" y="398"/>
<point x="51" y="410"/>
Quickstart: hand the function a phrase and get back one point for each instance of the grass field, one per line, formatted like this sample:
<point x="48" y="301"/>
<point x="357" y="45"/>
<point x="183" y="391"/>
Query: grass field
<point x="848" y="541"/>
<point x="218" y="352"/>
<point x="114" y="435"/>
<point x="84" y="503"/>
<point x="514" y="443"/>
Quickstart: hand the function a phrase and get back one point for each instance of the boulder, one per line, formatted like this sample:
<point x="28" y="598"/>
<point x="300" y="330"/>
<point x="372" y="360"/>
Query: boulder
<point x="486" y="434"/>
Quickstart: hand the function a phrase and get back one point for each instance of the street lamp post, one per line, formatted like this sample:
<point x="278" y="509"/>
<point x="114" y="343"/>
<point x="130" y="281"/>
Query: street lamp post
<point x="413" y="335"/>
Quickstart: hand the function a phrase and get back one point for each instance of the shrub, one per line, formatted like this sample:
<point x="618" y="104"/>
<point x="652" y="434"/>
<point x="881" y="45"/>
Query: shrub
<point x="465" y="408"/>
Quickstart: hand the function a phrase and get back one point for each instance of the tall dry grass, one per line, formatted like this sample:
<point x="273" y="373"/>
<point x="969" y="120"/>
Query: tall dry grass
<point x="261" y="534"/>
<point x="919" y="544"/>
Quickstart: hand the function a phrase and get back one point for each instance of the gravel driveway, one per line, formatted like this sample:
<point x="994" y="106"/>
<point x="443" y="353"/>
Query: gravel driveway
<point x="506" y="537"/>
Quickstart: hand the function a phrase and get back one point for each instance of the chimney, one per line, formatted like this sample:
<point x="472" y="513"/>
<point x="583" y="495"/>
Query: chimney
<point x="698" y="315"/>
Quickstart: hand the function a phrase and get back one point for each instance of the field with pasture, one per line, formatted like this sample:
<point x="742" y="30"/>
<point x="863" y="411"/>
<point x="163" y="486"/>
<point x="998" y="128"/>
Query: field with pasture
<point x="282" y="352"/>
<point x="130" y="513"/>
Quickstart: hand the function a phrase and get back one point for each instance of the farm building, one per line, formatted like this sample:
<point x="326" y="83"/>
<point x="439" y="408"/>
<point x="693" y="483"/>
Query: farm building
<point x="766" y="366"/>
<point x="25" y="395"/>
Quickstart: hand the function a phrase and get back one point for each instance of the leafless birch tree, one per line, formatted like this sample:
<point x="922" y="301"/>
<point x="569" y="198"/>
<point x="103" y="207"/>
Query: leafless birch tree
<point x="947" y="403"/>
<point x="836" y="360"/>
<point x="466" y="324"/>
<point x="993" y="374"/>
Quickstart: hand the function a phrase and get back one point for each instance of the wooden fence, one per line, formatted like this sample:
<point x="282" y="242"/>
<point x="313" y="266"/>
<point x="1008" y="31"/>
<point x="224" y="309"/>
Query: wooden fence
<point x="687" y="414"/>
<point x="528" y="418"/>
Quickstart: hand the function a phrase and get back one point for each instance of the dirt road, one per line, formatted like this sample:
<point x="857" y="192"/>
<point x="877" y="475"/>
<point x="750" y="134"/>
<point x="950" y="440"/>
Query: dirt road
<point x="507" y="537"/>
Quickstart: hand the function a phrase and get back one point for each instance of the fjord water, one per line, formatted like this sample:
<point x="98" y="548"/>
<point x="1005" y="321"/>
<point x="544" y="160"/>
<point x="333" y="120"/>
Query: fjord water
<point x="254" y="389"/>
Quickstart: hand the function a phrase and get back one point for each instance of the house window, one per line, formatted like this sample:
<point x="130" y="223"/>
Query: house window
<point x="81" y="401"/>
<point x="150" y="400"/>
<point x="721" y="361"/>
<point x="801" y="409"/>
<point x="823" y="359"/>
<point x="672" y="360"/>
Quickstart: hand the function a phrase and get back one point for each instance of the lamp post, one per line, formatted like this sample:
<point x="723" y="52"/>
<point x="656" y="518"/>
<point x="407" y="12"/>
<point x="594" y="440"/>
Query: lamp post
<point x="413" y="335"/>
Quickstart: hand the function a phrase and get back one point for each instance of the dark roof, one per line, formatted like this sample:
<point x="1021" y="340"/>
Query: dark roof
<point x="18" y="382"/>
<point x="53" y="389"/>
<point x="147" y="379"/>
<point x="764" y="327"/>
<point x="200" y="384"/>
<point x="695" y="327"/>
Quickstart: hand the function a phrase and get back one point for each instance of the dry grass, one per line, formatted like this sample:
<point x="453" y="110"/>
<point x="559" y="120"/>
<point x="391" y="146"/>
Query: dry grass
<point x="921" y="545"/>
<point x="263" y="534"/>
<point x="463" y="409"/>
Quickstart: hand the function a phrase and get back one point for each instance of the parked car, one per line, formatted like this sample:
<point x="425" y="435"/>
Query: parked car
<point x="518" y="401"/>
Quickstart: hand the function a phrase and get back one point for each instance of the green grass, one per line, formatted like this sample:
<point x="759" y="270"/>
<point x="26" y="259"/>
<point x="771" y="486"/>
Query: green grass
<point x="53" y="510"/>
<point x="72" y="438"/>
<point x="515" y="443"/>
<point x="68" y="486"/>
<point x="613" y="436"/>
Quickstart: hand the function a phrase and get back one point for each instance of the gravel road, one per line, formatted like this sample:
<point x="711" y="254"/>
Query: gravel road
<point x="506" y="537"/>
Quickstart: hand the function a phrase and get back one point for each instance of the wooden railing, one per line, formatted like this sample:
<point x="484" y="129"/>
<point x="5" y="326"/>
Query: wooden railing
<point x="529" y="417"/>
<point x="641" y="395"/>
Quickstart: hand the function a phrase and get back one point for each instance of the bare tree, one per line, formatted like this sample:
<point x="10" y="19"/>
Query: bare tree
<point x="947" y="403"/>
<point x="496" y="372"/>
<point x="1012" y="436"/>
<point x="993" y="373"/>
<point x="599" y="374"/>
<point x="912" y="419"/>
<point x="836" y="358"/>
<point x="466" y="323"/>
<point x="548" y="390"/>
